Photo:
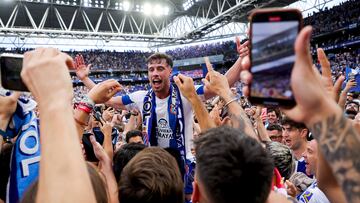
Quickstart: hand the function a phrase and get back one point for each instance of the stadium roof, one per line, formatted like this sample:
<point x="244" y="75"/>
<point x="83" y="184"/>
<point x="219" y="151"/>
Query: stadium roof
<point x="162" y="22"/>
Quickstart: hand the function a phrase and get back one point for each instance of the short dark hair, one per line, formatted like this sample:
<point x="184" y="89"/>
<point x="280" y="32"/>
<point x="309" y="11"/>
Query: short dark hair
<point x="276" y="110"/>
<point x="97" y="184"/>
<point x="131" y="134"/>
<point x="283" y="158"/>
<point x="274" y="126"/>
<point x="352" y="102"/>
<point x="124" y="155"/>
<point x="159" y="56"/>
<point x="152" y="176"/>
<point x="228" y="161"/>
<point x="287" y="121"/>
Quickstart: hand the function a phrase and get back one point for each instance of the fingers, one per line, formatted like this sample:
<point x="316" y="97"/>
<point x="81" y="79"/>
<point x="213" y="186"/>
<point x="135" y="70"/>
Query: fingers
<point x="68" y="60"/>
<point x="302" y="47"/>
<point x="94" y="143"/>
<point x="238" y="43"/>
<point x="15" y="95"/>
<point x="324" y="62"/>
<point x="337" y="87"/>
<point x="208" y="64"/>
<point x="206" y="82"/>
<point x="245" y="63"/>
<point x="177" y="81"/>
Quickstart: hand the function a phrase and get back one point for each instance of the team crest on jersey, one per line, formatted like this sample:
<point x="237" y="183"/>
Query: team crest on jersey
<point x="162" y="123"/>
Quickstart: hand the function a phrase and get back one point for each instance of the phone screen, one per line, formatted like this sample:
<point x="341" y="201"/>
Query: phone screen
<point x="272" y="59"/>
<point x="11" y="66"/>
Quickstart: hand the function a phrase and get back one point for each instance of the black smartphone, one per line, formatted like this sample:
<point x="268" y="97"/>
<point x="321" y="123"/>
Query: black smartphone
<point x="98" y="117"/>
<point x="11" y="66"/>
<point x="272" y="37"/>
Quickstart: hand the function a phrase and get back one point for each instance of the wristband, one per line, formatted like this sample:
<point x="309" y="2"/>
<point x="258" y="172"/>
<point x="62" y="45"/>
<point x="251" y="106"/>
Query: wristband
<point x="230" y="102"/>
<point x="87" y="102"/>
<point x="84" y="108"/>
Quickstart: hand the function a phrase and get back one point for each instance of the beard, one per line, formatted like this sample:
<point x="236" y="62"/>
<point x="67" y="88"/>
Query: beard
<point x="350" y="113"/>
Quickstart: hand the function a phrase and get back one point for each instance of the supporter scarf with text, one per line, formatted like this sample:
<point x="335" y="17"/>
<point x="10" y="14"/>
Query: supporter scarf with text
<point x="25" y="157"/>
<point x="176" y="120"/>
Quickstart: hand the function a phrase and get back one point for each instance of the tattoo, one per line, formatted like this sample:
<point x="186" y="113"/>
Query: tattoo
<point x="242" y="122"/>
<point x="340" y="143"/>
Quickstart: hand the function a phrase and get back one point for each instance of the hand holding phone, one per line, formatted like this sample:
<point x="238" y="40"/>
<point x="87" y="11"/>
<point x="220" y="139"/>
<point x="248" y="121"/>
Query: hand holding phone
<point x="272" y="36"/>
<point x="11" y="66"/>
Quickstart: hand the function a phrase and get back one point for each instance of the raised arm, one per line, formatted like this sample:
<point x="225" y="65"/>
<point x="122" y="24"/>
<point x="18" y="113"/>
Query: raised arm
<point x="82" y="72"/>
<point x="186" y="86"/>
<point x="99" y="94"/>
<point x="218" y="84"/>
<point x="233" y="74"/>
<point x="336" y="136"/>
<point x="343" y="95"/>
<point x="63" y="175"/>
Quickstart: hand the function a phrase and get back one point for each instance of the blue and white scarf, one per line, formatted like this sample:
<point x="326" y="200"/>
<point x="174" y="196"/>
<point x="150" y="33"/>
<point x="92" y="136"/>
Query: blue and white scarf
<point x="25" y="157"/>
<point x="176" y="120"/>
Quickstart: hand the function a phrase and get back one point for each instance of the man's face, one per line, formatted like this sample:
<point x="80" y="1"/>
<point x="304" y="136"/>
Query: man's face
<point x="159" y="75"/>
<point x="291" y="136"/>
<point x="136" y="139"/>
<point x="275" y="135"/>
<point x="310" y="157"/>
<point x="272" y="118"/>
<point x="352" y="107"/>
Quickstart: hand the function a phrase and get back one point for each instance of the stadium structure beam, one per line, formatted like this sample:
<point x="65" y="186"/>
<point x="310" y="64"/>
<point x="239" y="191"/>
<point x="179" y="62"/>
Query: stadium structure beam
<point x="92" y="31"/>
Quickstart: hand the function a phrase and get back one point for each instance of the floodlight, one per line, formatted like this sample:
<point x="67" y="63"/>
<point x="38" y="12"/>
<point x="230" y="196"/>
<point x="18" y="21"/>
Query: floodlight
<point x="158" y="10"/>
<point x="126" y="6"/>
<point x="101" y="2"/>
<point x="96" y="5"/>
<point x="58" y="2"/>
<point x="96" y="1"/>
<point x="166" y="10"/>
<point x="74" y="3"/>
<point x="86" y="4"/>
<point x="45" y="1"/>
<point x="147" y="8"/>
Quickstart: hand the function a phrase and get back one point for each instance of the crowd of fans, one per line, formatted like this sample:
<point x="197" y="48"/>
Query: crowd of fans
<point x="340" y="16"/>
<point x="107" y="144"/>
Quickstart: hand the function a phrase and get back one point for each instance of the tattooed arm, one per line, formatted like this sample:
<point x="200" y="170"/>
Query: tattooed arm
<point x="327" y="182"/>
<point x="338" y="139"/>
<point x="340" y="142"/>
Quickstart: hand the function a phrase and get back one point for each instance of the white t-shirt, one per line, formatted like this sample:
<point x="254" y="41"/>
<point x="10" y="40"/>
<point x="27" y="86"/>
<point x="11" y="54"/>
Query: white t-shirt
<point x="313" y="195"/>
<point x="164" y="132"/>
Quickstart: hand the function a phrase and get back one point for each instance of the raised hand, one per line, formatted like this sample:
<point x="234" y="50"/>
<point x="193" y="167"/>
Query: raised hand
<point x="332" y="89"/>
<point x="45" y="72"/>
<point x="350" y="84"/>
<point x="103" y="91"/>
<point x="242" y="49"/>
<point x="8" y="106"/>
<point x="82" y="70"/>
<point x="186" y="86"/>
<point x="99" y="151"/>
<point x="106" y="128"/>
<point x="216" y="82"/>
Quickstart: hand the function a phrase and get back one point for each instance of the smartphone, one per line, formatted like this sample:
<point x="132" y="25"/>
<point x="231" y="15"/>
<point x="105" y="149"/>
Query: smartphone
<point x="272" y="37"/>
<point x="11" y="66"/>
<point x="98" y="117"/>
